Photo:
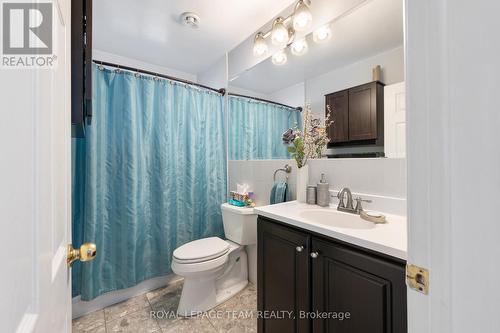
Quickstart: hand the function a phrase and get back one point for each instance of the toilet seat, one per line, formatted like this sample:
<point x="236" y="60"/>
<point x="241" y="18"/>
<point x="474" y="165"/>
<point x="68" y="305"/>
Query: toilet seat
<point x="201" y="250"/>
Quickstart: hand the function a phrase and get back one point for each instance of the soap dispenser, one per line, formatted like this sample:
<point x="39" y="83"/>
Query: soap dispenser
<point x="323" y="192"/>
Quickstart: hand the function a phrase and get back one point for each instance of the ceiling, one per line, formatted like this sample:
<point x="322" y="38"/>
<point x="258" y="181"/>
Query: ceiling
<point x="372" y="29"/>
<point x="149" y="30"/>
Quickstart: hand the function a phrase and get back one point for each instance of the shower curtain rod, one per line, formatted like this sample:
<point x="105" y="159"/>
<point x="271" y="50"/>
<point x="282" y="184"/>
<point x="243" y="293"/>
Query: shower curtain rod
<point x="132" y="69"/>
<point x="298" y="108"/>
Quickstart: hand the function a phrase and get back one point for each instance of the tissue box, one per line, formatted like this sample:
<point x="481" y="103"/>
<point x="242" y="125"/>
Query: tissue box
<point x="233" y="195"/>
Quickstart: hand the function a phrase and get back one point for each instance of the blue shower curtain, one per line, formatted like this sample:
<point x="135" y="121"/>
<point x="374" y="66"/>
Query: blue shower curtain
<point x="149" y="176"/>
<point x="255" y="128"/>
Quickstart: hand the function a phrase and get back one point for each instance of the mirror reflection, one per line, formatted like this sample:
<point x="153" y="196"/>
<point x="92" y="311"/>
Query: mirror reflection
<point x="352" y="65"/>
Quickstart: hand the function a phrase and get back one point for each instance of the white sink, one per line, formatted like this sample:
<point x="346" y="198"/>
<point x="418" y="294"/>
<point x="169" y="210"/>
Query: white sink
<point x="333" y="218"/>
<point x="388" y="238"/>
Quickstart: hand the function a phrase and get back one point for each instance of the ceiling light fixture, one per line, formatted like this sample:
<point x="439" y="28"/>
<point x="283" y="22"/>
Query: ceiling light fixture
<point x="302" y="17"/>
<point x="322" y="34"/>
<point x="282" y="34"/>
<point x="259" y="45"/>
<point x="279" y="58"/>
<point x="279" y="34"/>
<point x="299" y="47"/>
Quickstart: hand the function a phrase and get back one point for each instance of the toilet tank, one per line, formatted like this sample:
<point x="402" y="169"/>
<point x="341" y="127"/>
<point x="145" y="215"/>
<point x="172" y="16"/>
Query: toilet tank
<point x="240" y="224"/>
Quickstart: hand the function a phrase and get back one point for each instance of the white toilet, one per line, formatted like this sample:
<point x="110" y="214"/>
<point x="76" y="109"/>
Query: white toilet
<point x="214" y="269"/>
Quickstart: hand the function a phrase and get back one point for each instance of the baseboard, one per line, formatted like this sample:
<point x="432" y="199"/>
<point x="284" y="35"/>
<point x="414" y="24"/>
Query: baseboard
<point x="81" y="308"/>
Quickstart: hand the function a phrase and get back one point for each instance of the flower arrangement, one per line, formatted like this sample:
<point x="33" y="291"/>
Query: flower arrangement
<point x="311" y="140"/>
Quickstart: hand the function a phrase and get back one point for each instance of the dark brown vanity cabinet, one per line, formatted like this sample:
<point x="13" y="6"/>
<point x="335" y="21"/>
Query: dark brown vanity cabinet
<point x="339" y="130"/>
<point x="370" y="288"/>
<point x="336" y="279"/>
<point x="358" y="115"/>
<point x="283" y="277"/>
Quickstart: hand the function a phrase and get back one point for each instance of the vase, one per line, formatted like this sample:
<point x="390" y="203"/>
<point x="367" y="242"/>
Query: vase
<point x="302" y="182"/>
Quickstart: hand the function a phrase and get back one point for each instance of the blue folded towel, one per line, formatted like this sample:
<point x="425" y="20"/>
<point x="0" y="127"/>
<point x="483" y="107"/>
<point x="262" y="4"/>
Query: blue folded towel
<point x="279" y="193"/>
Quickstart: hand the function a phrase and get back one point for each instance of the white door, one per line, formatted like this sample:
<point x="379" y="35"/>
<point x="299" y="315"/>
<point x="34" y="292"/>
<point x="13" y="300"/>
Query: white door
<point x="453" y="117"/>
<point x="35" y="190"/>
<point x="395" y="120"/>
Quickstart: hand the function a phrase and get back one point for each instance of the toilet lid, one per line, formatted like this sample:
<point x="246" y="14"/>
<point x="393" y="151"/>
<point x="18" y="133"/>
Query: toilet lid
<point x="201" y="250"/>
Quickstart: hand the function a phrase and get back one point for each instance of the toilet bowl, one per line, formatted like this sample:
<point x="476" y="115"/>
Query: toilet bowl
<point x="215" y="269"/>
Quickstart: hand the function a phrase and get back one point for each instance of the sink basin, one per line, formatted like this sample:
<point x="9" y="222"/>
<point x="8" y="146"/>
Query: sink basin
<point x="333" y="218"/>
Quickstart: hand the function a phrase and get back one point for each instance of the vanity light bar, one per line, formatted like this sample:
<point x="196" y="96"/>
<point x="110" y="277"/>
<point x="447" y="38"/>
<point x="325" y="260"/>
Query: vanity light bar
<point x="283" y="30"/>
<point x="301" y="8"/>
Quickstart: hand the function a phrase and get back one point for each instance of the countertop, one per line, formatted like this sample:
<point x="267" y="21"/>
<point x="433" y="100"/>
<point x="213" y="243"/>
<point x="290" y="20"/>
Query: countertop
<point x="389" y="238"/>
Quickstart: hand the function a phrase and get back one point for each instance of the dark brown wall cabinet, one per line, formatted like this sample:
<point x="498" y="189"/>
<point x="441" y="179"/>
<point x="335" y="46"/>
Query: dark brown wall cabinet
<point x="81" y="66"/>
<point x="358" y="115"/>
<point x="342" y="278"/>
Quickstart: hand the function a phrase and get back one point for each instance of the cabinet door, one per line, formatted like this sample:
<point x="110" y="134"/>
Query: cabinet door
<point x="338" y="102"/>
<point x="371" y="289"/>
<point x="283" y="277"/>
<point x="363" y="112"/>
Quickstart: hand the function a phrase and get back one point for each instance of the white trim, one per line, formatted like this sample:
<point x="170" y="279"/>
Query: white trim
<point x="81" y="308"/>
<point x="428" y="160"/>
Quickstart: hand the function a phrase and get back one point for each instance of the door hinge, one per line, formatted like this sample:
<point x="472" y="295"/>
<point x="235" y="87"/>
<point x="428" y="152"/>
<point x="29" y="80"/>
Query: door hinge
<point x="417" y="278"/>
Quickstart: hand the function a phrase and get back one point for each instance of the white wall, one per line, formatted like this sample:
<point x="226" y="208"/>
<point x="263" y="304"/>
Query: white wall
<point x="259" y="175"/>
<point x="216" y="75"/>
<point x="241" y="91"/>
<point x="392" y="63"/>
<point x="293" y="95"/>
<point x="375" y="176"/>
<point x="120" y="60"/>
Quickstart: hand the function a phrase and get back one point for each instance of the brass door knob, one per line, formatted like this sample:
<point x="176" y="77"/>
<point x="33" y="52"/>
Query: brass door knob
<point x="86" y="252"/>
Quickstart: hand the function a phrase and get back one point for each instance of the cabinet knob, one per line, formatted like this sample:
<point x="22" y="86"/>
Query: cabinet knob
<point x="314" y="255"/>
<point x="299" y="248"/>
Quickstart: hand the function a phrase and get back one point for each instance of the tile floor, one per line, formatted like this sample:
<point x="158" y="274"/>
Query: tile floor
<point x="237" y="315"/>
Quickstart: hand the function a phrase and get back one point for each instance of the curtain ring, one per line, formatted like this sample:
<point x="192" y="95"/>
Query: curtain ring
<point x="136" y="74"/>
<point x="100" y="67"/>
<point x="118" y="70"/>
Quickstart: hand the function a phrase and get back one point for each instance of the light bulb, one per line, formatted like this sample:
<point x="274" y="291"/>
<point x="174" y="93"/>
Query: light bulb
<point x="299" y="47"/>
<point x="259" y="45"/>
<point x="279" y="34"/>
<point x="322" y="34"/>
<point x="279" y="58"/>
<point x="302" y="17"/>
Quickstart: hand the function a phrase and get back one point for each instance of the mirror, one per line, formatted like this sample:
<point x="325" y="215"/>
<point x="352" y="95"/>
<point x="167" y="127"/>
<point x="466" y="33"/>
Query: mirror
<point x="354" y="64"/>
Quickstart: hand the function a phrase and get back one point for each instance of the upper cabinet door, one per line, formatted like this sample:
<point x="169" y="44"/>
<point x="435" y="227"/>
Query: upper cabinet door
<point x="339" y="106"/>
<point x="371" y="289"/>
<point x="363" y="112"/>
<point x="283" y="277"/>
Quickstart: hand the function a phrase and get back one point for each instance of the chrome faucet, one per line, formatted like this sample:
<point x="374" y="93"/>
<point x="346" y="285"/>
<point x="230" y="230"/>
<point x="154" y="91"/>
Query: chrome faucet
<point x="345" y="207"/>
<point x="348" y="206"/>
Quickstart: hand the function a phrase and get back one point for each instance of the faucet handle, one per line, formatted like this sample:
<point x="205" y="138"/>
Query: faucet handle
<point x="359" y="200"/>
